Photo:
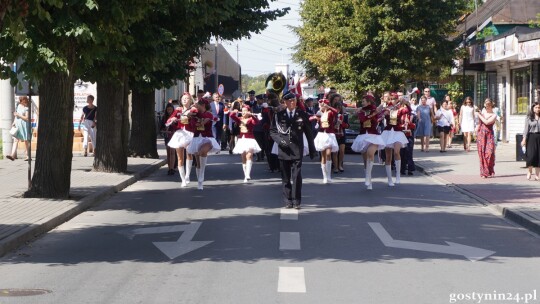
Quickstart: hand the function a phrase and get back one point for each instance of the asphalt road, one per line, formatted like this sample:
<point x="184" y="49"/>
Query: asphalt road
<point x="230" y="243"/>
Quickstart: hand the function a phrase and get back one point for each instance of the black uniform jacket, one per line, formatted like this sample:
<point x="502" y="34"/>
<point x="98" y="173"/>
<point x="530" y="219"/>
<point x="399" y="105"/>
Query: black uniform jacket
<point x="287" y="133"/>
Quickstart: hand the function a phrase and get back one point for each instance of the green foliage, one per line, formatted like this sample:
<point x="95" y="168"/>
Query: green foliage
<point x="255" y="83"/>
<point x="486" y="32"/>
<point x="535" y="23"/>
<point x="376" y="45"/>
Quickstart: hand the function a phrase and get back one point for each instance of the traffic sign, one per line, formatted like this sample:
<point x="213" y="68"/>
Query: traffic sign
<point x="221" y="89"/>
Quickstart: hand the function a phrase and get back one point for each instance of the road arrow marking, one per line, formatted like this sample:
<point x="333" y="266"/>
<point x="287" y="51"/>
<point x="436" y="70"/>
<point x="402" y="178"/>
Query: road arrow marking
<point x="471" y="253"/>
<point x="172" y="249"/>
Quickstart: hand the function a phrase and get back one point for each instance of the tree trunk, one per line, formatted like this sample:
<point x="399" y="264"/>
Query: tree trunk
<point x="52" y="173"/>
<point x="142" y="142"/>
<point x="112" y="126"/>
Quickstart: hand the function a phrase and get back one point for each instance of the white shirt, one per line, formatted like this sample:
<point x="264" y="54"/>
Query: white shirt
<point x="446" y="119"/>
<point x="290" y="114"/>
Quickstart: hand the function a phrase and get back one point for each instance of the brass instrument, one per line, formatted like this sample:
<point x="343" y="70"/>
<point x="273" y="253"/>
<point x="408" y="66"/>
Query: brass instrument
<point x="275" y="83"/>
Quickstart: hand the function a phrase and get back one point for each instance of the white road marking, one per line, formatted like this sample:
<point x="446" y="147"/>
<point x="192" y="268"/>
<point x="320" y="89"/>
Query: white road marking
<point x="291" y="279"/>
<point x="471" y="253"/>
<point x="289" y="214"/>
<point x="289" y="241"/>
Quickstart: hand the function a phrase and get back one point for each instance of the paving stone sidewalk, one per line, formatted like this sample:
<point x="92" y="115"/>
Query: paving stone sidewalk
<point x="509" y="192"/>
<point x="22" y="219"/>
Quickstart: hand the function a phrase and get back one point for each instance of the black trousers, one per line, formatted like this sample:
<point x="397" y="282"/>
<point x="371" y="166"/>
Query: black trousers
<point x="260" y="138"/>
<point x="407" y="162"/>
<point x="291" y="170"/>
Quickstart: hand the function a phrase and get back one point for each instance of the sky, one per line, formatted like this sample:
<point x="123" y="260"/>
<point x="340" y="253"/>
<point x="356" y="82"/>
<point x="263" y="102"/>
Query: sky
<point x="259" y="54"/>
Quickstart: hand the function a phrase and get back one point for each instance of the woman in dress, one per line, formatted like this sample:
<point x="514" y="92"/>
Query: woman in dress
<point x="325" y="141"/>
<point x="21" y="122"/>
<point x="531" y="141"/>
<point x="182" y="136"/>
<point x="393" y="138"/>
<point x="369" y="140"/>
<point x="203" y="140"/>
<point x="424" y="125"/>
<point x="485" y="140"/>
<point x="246" y="145"/>
<point x="168" y="131"/>
<point x="445" y="122"/>
<point x="466" y="121"/>
<point x="342" y="123"/>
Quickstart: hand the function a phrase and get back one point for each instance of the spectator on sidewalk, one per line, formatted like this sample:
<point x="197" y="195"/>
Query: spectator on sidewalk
<point x="424" y="115"/>
<point x="21" y="122"/>
<point x="466" y="121"/>
<point x="455" y="126"/>
<point x="485" y="139"/>
<point x="88" y="119"/>
<point x="531" y="141"/>
<point x="445" y="122"/>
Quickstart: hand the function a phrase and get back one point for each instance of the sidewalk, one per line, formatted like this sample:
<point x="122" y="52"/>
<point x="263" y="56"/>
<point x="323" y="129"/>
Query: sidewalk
<point x="22" y="219"/>
<point x="509" y="193"/>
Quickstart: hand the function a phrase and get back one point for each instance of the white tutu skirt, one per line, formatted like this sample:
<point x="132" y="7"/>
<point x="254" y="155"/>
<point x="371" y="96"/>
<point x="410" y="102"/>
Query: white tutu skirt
<point x="390" y="137"/>
<point x="363" y="141"/>
<point x="324" y="141"/>
<point x="246" y="145"/>
<point x="197" y="142"/>
<point x="306" y="147"/>
<point x="180" y="139"/>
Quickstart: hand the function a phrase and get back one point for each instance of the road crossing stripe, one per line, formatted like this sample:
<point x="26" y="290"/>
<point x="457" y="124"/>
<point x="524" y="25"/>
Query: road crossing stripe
<point x="291" y="279"/>
<point x="289" y="241"/>
<point x="289" y="214"/>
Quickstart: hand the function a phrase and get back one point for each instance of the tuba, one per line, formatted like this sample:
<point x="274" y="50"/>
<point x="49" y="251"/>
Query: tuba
<point x="275" y="83"/>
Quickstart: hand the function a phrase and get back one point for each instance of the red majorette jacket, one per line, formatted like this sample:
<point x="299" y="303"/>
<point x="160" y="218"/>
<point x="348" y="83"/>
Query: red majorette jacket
<point x="201" y="128"/>
<point x="246" y="124"/>
<point x="327" y="120"/>
<point x="393" y="118"/>
<point x="183" y="120"/>
<point x="368" y="120"/>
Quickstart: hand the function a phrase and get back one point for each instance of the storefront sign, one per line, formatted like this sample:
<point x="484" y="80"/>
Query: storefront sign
<point x="529" y="50"/>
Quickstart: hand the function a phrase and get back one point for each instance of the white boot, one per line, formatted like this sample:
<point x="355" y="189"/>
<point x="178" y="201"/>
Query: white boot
<point x="201" y="172"/>
<point x="389" y="175"/>
<point x="182" y="176"/>
<point x="324" y="175"/>
<point x="398" y="171"/>
<point x="249" y="165"/>
<point x="369" y="167"/>
<point x="198" y="173"/>
<point x="189" y="163"/>
<point x="329" y="170"/>
<point x="244" y="168"/>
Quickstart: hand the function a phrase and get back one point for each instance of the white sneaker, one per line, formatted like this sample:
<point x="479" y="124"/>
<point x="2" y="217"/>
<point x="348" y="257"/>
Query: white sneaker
<point x="183" y="185"/>
<point x="199" y="186"/>
<point x="245" y="180"/>
<point x="369" y="187"/>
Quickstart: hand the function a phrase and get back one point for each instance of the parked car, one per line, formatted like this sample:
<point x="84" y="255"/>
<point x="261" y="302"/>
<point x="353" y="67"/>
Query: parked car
<point x="354" y="127"/>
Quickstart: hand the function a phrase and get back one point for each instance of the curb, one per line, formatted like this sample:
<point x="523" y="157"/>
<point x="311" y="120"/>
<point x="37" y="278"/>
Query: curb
<point x="35" y="230"/>
<point x="516" y="216"/>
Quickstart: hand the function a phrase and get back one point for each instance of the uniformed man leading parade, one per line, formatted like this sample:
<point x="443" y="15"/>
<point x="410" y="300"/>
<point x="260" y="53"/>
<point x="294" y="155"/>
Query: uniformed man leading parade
<point x="288" y="129"/>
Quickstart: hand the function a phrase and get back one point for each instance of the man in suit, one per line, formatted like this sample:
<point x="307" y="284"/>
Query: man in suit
<point x="218" y="110"/>
<point x="288" y="127"/>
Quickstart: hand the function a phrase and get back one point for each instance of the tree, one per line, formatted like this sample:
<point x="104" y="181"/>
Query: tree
<point x="163" y="50"/>
<point x="376" y="45"/>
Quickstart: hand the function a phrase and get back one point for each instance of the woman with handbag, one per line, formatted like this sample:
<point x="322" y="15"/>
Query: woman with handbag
<point x="19" y="130"/>
<point x="88" y="120"/>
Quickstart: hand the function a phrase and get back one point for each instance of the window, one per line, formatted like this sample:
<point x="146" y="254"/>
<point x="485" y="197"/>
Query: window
<point x="521" y="79"/>
<point x="486" y="87"/>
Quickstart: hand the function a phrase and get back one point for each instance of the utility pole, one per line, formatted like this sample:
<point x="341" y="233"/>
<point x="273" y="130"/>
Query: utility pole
<point x="216" y="65"/>
<point x="239" y="69"/>
<point x="464" y="57"/>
